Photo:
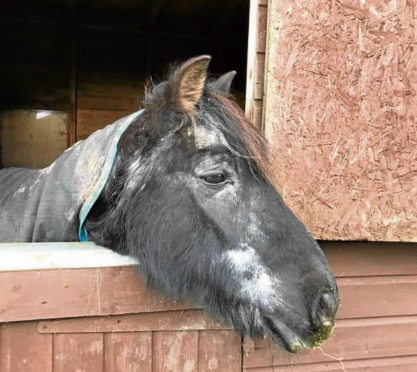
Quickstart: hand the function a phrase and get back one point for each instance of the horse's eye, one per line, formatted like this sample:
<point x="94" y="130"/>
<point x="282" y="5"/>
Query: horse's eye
<point x="214" y="179"/>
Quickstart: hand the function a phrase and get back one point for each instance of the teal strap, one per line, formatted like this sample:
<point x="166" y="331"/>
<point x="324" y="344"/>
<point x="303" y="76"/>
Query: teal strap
<point x="104" y="176"/>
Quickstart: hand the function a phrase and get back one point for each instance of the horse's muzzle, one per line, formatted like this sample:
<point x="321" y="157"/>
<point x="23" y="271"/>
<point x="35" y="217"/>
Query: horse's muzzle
<point x="322" y="315"/>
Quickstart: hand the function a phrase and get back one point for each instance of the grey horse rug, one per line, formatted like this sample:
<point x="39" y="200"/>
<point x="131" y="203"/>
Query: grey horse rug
<point x="51" y="204"/>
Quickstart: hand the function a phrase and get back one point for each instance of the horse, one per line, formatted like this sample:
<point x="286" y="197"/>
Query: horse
<point x="188" y="192"/>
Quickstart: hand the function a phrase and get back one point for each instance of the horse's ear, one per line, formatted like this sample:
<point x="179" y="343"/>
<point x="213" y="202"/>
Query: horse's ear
<point x="224" y="82"/>
<point x="188" y="83"/>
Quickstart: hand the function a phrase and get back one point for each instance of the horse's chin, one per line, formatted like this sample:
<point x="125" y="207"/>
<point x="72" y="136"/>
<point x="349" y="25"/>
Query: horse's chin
<point x="287" y="339"/>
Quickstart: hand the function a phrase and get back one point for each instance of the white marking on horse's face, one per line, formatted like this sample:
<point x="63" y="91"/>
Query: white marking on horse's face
<point x="209" y="134"/>
<point x="205" y="138"/>
<point x="257" y="283"/>
<point x="254" y="230"/>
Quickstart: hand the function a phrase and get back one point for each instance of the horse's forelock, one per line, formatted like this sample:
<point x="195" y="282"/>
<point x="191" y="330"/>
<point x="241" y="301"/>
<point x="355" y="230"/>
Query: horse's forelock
<point x="243" y="138"/>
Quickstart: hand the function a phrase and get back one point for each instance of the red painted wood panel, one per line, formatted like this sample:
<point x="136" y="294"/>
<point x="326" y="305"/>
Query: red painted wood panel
<point x="371" y="259"/>
<point x="397" y="364"/>
<point x="188" y="340"/>
<point x="23" y="349"/>
<point x="66" y="293"/>
<point x="377" y="296"/>
<point x="219" y="351"/>
<point x="352" y="340"/>
<point x="185" y="320"/>
<point x="175" y="351"/>
<point x="128" y="352"/>
<point x="78" y="352"/>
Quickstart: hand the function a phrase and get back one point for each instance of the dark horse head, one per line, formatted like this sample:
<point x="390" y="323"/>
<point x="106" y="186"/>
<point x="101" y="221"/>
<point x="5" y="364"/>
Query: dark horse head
<point x="190" y="197"/>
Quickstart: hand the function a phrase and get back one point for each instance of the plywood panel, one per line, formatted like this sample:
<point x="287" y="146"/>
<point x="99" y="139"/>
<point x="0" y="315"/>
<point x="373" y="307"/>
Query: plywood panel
<point x="339" y="105"/>
<point x="351" y="340"/>
<point x="32" y="138"/>
<point x="219" y="351"/>
<point x="78" y="352"/>
<point x="23" y="349"/>
<point x="88" y="121"/>
<point x="175" y="351"/>
<point x="52" y="294"/>
<point x="128" y="352"/>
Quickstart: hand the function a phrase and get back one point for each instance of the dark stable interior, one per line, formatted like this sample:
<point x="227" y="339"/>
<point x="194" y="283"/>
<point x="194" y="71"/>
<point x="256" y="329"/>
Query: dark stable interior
<point x="91" y="59"/>
<point x="48" y="46"/>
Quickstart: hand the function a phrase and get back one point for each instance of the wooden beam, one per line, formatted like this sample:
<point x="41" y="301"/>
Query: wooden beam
<point x="153" y="12"/>
<point x="117" y="29"/>
<point x="241" y="11"/>
<point x="35" y="105"/>
<point x="72" y="293"/>
<point x="70" y="8"/>
<point x="72" y="117"/>
<point x="149" y="54"/>
<point x="251" y="69"/>
<point x="182" y="320"/>
<point x="225" y="16"/>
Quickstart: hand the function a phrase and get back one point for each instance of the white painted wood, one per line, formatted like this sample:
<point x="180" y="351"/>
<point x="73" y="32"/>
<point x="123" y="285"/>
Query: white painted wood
<point x="39" y="256"/>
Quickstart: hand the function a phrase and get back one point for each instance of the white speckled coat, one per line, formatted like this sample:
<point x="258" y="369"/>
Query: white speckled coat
<point x="44" y="204"/>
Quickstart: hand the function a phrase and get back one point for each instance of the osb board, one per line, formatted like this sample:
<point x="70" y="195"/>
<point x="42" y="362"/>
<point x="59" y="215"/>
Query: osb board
<point x="341" y="113"/>
<point x="32" y="138"/>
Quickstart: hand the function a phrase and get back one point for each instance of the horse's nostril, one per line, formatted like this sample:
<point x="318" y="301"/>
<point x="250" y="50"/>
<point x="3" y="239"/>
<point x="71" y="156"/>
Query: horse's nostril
<point x="324" y="308"/>
<point x="329" y="303"/>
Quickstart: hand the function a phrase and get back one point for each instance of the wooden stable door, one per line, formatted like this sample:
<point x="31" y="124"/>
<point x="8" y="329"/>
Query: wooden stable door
<point x="82" y="318"/>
